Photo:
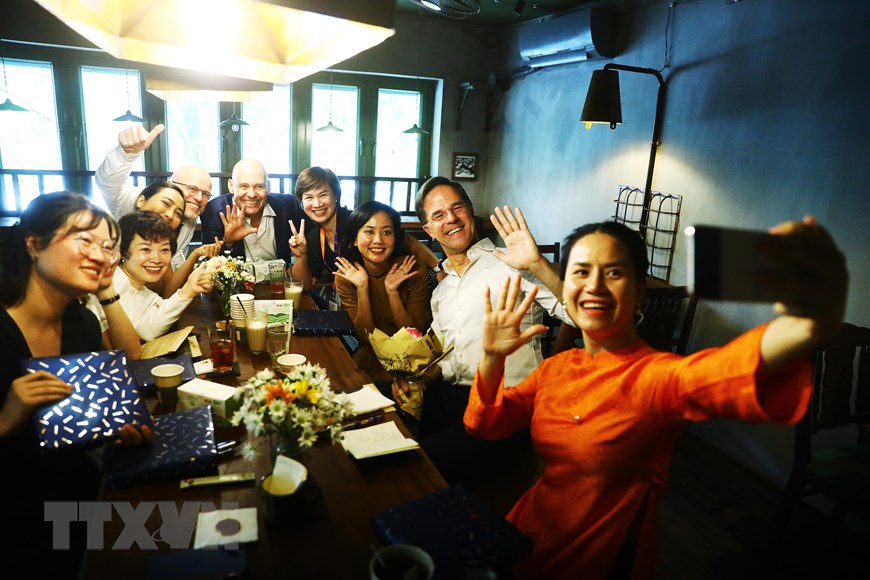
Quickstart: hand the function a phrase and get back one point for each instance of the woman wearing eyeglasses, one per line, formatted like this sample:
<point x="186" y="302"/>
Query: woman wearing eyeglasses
<point x="147" y="245"/>
<point x="381" y="285"/>
<point x="58" y="252"/>
<point x="118" y="331"/>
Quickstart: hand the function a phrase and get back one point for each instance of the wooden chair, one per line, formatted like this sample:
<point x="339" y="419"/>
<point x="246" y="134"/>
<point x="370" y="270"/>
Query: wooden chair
<point x="668" y="313"/>
<point x="840" y="398"/>
<point x="548" y="339"/>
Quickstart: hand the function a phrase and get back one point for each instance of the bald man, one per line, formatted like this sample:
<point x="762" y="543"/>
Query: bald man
<point x="252" y="223"/>
<point x="120" y="197"/>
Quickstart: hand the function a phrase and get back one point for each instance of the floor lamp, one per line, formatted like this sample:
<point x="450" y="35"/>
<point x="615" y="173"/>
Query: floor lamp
<point x="603" y="106"/>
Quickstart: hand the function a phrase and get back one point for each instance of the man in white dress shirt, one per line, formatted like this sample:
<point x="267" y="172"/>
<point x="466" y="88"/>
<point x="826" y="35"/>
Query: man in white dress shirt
<point x="113" y="182"/>
<point x="471" y="266"/>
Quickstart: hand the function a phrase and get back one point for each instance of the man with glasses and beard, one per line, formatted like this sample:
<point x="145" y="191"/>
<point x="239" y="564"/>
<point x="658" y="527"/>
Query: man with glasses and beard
<point x="113" y="174"/>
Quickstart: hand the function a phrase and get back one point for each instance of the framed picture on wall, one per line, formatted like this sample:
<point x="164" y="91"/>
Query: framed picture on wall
<point x="465" y="166"/>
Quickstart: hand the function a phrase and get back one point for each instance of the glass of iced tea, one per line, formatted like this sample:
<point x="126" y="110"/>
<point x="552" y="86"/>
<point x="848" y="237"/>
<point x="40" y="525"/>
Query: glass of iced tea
<point x="276" y="278"/>
<point x="222" y="341"/>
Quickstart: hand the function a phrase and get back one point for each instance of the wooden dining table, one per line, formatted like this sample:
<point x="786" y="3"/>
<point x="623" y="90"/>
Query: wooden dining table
<point x="334" y="537"/>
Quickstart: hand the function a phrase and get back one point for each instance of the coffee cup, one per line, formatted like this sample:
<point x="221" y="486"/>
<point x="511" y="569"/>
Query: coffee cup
<point x="287" y="492"/>
<point x="401" y="561"/>
<point x="286" y="362"/>
<point x="167" y="378"/>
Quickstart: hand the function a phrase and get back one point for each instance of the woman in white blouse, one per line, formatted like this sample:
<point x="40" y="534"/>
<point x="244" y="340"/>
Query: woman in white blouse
<point x="147" y="246"/>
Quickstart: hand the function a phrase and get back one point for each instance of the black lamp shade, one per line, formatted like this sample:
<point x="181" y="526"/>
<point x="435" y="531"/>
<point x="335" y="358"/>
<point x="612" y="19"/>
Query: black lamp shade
<point x="603" y="104"/>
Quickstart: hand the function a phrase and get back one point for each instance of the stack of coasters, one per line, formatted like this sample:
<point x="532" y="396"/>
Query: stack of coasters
<point x="223" y="400"/>
<point x="104" y="399"/>
<point x="184" y="445"/>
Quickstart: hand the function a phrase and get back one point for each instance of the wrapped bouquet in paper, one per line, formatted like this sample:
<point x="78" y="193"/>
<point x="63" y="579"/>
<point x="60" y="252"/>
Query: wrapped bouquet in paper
<point x="408" y="354"/>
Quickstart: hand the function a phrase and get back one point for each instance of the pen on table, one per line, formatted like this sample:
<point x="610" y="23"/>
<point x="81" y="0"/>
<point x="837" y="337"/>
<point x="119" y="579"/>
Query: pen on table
<point x="362" y="423"/>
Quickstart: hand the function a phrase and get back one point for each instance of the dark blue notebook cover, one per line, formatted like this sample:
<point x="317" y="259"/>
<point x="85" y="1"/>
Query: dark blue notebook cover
<point x="104" y="399"/>
<point x="322" y="323"/>
<point x="184" y="445"/>
<point x="457" y="530"/>
<point x="141" y="370"/>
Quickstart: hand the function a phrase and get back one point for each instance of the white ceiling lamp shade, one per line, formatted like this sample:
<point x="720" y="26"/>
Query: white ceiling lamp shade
<point x="176" y="85"/>
<point x="274" y="41"/>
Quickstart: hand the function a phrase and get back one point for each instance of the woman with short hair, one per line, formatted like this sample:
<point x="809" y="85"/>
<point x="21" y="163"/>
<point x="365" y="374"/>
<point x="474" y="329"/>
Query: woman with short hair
<point x="147" y="246"/>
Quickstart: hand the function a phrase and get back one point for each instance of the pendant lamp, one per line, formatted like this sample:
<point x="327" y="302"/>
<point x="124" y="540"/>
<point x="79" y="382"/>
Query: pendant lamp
<point x="275" y="41"/>
<point x="234" y="122"/>
<point x="416" y="130"/>
<point x="8" y="105"/>
<point x="128" y="116"/>
<point x="329" y="127"/>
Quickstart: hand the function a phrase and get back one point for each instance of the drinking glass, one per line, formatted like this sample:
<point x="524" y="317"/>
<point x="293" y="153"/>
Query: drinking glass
<point x="256" y="323"/>
<point x="276" y="278"/>
<point x="277" y="342"/>
<point x="293" y="291"/>
<point x="221" y="340"/>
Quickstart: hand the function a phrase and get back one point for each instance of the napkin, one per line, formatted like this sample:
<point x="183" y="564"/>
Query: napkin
<point x="208" y="534"/>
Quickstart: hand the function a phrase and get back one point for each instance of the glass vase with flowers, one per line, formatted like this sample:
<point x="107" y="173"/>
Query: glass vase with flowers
<point x="293" y="409"/>
<point x="230" y="275"/>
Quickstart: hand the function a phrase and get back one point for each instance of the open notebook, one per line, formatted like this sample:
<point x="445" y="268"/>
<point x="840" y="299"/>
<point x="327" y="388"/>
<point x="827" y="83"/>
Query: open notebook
<point x="381" y="439"/>
<point x="368" y="399"/>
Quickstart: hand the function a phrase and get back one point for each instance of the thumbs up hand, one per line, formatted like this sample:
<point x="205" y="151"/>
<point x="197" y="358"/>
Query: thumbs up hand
<point x="136" y="139"/>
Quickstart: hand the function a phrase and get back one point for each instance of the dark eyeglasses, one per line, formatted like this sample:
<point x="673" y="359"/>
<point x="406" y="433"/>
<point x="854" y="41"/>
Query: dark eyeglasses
<point x="193" y="190"/>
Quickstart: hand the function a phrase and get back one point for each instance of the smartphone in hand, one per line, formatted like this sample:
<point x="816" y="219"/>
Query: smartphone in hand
<point x="725" y="263"/>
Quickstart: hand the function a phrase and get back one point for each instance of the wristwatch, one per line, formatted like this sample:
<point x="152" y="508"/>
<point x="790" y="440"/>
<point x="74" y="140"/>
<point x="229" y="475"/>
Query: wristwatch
<point x="111" y="300"/>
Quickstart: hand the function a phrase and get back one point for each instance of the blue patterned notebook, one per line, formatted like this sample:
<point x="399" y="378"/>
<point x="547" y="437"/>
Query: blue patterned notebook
<point x="322" y="323"/>
<point x="141" y="370"/>
<point x="457" y="530"/>
<point x="184" y="445"/>
<point x="104" y="399"/>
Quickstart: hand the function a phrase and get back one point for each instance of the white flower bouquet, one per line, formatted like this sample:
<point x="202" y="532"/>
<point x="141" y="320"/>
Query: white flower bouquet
<point x="229" y="271"/>
<point x="300" y="405"/>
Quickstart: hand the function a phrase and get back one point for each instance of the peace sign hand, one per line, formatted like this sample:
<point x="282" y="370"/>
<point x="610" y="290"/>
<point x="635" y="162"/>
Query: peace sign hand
<point x="353" y="273"/>
<point x="297" y="242"/>
<point x="399" y="273"/>
<point x="501" y="326"/>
